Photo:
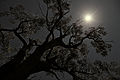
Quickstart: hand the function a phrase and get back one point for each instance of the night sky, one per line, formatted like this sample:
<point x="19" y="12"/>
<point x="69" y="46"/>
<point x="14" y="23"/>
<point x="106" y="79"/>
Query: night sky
<point x="106" y="13"/>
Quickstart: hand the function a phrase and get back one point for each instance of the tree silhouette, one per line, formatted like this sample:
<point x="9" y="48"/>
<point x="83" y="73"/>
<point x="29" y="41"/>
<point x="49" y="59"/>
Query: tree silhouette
<point x="63" y="47"/>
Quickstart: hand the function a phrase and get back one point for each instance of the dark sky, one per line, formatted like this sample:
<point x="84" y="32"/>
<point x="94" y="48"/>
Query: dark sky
<point x="106" y="13"/>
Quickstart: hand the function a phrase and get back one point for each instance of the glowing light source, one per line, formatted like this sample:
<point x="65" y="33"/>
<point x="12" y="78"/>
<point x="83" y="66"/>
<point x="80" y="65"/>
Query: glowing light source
<point x="88" y="18"/>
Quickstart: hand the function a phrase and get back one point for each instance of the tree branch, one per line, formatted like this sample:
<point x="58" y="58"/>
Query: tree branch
<point x="20" y="37"/>
<point x="12" y="30"/>
<point x="15" y="31"/>
<point x="3" y="37"/>
<point x="55" y="24"/>
<point x="47" y="21"/>
<point x="81" y="41"/>
<point x="24" y="22"/>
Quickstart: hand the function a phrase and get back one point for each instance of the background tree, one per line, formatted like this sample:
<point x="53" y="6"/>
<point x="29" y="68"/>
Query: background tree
<point x="64" y="48"/>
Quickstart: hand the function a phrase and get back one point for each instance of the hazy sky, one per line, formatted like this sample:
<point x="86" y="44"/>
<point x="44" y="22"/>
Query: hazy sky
<point x="106" y="13"/>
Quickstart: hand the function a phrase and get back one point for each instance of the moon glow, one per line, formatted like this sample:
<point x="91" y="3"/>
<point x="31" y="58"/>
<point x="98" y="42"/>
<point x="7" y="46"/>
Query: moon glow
<point x="88" y="18"/>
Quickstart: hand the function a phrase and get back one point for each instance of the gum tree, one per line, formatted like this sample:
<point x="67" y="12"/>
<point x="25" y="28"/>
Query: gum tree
<point x="64" y="48"/>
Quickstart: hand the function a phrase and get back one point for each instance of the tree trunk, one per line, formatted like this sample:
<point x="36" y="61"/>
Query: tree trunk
<point x="30" y="65"/>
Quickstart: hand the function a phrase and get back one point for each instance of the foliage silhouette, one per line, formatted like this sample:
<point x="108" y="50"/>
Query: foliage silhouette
<point x="63" y="49"/>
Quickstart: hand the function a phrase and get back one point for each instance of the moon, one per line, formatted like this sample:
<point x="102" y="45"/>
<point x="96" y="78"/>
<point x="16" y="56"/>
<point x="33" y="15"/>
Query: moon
<point x="88" y="18"/>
